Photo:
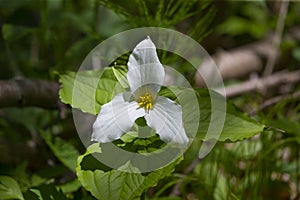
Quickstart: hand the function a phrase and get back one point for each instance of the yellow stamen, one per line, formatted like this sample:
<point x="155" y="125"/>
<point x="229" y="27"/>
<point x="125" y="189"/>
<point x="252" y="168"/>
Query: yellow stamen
<point x="146" y="101"/>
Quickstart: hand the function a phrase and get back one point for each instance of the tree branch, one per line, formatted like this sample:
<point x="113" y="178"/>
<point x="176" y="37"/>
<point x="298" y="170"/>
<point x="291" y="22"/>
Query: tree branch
<point x="263" y="84"/>
<point x="21" y="92"/>
<point x="244" y="60"/>
<point x="238" y="62"/>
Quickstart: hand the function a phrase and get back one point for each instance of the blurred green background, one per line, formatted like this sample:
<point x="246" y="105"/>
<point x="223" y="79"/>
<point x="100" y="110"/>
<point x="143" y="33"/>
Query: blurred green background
<point x="44" y="38"/>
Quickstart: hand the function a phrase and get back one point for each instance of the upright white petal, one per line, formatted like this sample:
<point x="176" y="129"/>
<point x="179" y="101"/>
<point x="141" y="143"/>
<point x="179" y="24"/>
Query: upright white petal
<point x="166" y="119"/>
<point x="115" y="118"/>
<point x="144" y="67"/>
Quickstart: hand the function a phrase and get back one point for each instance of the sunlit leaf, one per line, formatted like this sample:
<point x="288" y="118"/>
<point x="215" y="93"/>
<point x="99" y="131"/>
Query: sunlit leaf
<point x="118" y="184"/>
<point x="9" y="188"/>
<point x="86" y="91"/>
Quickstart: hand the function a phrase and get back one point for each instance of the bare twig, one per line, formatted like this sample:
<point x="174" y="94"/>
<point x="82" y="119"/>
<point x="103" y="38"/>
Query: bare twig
<point x="277" y="37"/>
<point x="22" y="92"/>
<point x="263" y="84"/>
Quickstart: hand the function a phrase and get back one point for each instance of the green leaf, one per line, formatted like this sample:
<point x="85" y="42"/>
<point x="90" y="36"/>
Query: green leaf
<point x="9" y="188"/>
<point x="11" y="5"/>
<point x="296" y="53"/>
<point x="21" y="176"/>
<point x="289" y="125"/>
<point x="45" y="192"/>
<point x="88" y="90"/>
<point x="237" y="126"/>
<point x="79" y="89"/>
<point x="120" y="74"/>
<point x="118" y="184"/>
<point x="70" y="186"/>
<point x="236" y="25"/>
<point x="64" y="151"/>
<point x="221" y="189"/>
<point x="34" y="193"/>
<point x="11" y="32"/>
<point x="247" y="149"/>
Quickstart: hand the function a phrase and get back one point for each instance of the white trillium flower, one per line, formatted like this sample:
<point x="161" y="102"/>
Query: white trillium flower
<point x="145" y="76"/>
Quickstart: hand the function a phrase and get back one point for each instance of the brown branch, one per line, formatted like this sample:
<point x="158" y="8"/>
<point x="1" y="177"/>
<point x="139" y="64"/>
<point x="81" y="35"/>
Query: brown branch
<point x="244" y="60"/>
<point x="21" y="92"/>
<point x="263" y="84"/>
<point x="238" y="62"/>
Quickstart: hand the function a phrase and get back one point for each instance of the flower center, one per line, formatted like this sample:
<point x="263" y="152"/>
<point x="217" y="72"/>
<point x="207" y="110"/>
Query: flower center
<point x="146" y="101"/>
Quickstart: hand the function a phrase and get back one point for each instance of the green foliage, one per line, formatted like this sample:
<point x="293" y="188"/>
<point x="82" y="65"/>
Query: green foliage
<point x="119" y="184"/>
<point x="39" y="149"/>
<point x="258" y="168"/>
<point x="109" y="184"/>
<point x="35" y="40"/>
<point x="165" y="13"/>
<point x="45" y="192"/>
<point x="70" y="186"/>
<point x="13" y="32"/>
<point x="64" y="151"/>
<point x="237" y="125"/>
<point x="9" y="188"/>
<point x="246" y="22"/>
<point x="90" y="85"/>
<point x="296" y="53"/>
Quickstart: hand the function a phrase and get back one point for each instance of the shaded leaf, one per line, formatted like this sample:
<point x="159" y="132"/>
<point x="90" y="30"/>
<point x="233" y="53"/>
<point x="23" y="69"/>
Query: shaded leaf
<point x="70" y="186"/>
<point x="64" y="151"/>
<point x="45" y="192"/>
<point x="12" y="33"/>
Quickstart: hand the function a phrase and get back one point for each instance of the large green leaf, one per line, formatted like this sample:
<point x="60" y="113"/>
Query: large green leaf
<point x="79" y="89"/>
<point x="237" y="125"/>
<point x="118" y="184"/>
<point x="9" y="188"/>
<point x="88" y="90"/>
<point x="64" y="151"/>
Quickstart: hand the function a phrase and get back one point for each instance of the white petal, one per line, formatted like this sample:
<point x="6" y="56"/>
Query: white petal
<point x="144" y="67"/>
<point x="115" y="118"/>
<point x="166" y="119"/>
